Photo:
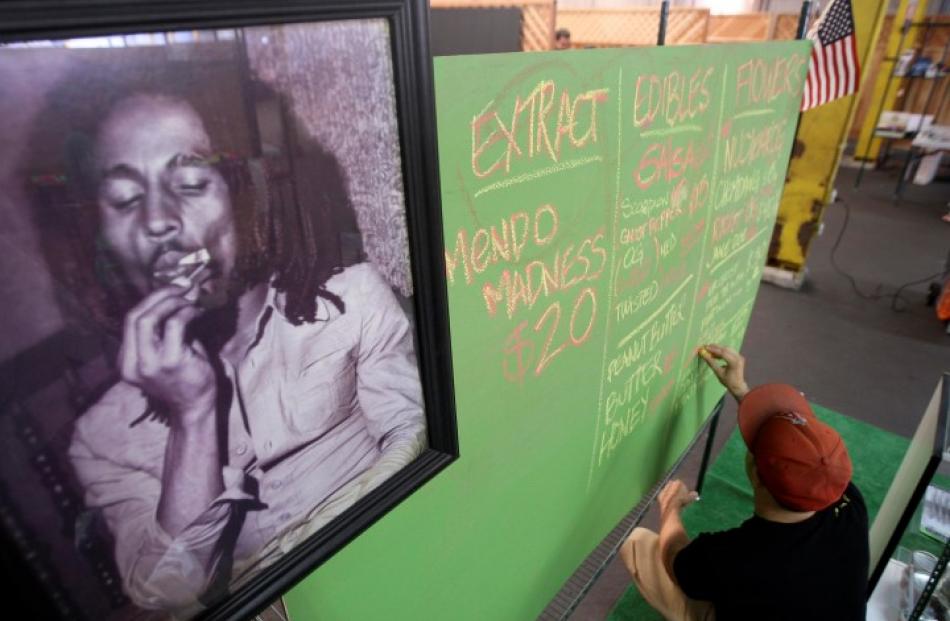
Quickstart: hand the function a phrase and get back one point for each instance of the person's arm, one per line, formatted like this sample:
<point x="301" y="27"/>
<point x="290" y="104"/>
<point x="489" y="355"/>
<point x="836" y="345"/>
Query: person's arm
<point x="388" y="386"/>
<point x="177" y="375"/>
<point x="672" y="536"/>
<point x="389" y="392"/>
<point x="159" y="571"/>
<point x="732" y="373"/>
<point x="167" y="517"/>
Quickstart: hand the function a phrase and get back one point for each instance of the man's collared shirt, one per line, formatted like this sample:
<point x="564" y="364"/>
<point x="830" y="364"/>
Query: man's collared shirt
<point x="320" y="414"/>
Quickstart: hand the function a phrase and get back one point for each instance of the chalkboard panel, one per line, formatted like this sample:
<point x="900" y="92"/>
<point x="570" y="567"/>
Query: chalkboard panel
<point x="575" y="394"/>
<point x="606" y="212"/>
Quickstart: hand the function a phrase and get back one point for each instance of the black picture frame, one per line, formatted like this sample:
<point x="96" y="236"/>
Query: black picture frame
<point x="23" y="21"/>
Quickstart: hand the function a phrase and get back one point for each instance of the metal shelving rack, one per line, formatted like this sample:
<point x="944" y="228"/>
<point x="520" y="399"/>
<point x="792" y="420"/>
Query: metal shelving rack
<point x="928" y="26"/>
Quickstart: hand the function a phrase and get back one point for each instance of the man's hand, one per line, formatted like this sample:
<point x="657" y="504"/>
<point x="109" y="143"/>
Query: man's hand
<point x="673" y="538"/>
<point x="674" y="497"/>
<point x="732" y="373"/>
<point x="155" y="357"/>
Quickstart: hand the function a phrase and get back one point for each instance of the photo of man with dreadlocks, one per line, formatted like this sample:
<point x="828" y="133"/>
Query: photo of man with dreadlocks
<point x="265" y="370"/>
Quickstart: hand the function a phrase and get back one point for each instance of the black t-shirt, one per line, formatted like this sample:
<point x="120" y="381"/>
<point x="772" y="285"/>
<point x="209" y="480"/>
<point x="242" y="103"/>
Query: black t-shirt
<point x="811" y="570"/>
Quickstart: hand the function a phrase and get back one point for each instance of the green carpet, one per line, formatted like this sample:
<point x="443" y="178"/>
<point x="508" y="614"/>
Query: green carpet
<point x="727" y="495"/>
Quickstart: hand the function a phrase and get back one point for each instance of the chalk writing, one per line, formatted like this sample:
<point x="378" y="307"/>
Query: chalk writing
<point x="738" y="187"/>
<point x="750" y="113"/>
<point x="496" y="141"/>
<point x="595" y="236"/>
<point x="759" y="81"/>
<point x="691" y="195"/>
<point x="749" y="145"/>
<point x="670" y="321"/>
<point x="725" y="224"/>
<point x="673" y="97"/>
<point x="539" y="174"/>
<point x="668" y="161"/>
<point x="652" y="226"/>
<point x="500" y="243"/>
<point x="657" y="401"/>
<point x="631" y="303"/>
<point x="735" y="245"/>
<point x="665" y="247"/>
<point x="631" y="207"/>
<point x="520" y="347"/>
<point x="570" y="266"/>
<point x="619" y="425"/>
<point x="695" y="375"/>
<point x="693" y="236"/>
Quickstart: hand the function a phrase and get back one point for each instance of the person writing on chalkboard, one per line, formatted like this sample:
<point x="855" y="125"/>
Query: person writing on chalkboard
<point x="804" y="552"/>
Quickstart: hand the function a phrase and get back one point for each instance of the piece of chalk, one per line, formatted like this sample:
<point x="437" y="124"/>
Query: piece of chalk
<point x="703" y="352"/>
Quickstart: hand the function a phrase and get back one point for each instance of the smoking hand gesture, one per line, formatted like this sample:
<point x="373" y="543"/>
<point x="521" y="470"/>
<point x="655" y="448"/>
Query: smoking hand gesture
<point x="155" y="357"/>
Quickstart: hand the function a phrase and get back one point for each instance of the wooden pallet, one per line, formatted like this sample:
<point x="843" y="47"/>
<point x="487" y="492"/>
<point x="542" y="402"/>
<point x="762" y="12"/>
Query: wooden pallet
<point x="633" y="26"/>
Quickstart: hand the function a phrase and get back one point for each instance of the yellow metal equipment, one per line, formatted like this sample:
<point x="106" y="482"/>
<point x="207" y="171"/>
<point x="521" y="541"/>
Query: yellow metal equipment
<point x="816" y="155"/>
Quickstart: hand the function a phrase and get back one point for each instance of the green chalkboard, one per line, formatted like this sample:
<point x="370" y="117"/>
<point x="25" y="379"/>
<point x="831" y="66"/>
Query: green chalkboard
<point x="605" y="213"/>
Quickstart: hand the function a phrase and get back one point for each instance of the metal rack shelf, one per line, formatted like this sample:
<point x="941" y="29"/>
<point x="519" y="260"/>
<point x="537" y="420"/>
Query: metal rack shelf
<point x="911" y="155"/>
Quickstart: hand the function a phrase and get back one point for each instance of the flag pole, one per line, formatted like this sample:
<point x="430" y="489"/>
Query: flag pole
<point x="800" y="34"/>
<point x="803" y="20"/>
<point x="664" y="16"/>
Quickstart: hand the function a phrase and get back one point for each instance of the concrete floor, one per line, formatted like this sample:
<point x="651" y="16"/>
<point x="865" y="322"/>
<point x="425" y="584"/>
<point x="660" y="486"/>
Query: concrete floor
<point x="855" y="356"/>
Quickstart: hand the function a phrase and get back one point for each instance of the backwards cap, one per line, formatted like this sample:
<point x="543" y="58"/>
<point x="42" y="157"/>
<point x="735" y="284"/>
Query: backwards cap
<point x="801" y="461"/>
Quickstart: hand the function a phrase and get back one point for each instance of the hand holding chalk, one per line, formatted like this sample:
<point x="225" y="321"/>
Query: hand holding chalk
<point x="732" y="373"/>
<point x="674" y="496"/>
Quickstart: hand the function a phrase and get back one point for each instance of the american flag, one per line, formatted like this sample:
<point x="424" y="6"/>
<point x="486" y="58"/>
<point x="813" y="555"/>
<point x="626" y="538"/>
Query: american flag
<point x="833" y="69"/>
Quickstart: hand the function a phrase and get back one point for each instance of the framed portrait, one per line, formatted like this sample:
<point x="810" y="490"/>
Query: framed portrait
<point x="225" y="346"/>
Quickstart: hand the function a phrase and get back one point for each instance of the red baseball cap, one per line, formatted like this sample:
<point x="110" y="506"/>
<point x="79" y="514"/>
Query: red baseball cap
<point x="801" y="461"/>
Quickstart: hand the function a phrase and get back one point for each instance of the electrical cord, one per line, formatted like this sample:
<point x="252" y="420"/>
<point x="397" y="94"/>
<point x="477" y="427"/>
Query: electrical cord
<point x="896" y="298"/>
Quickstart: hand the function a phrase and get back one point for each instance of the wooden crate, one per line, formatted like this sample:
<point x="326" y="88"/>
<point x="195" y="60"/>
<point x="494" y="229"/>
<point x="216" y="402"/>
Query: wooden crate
<point x="633" y="26"/>
<point x="785" y="26"/>
<point x="752" y="27"/>
<point x="745" y="27"/>
<point x="537" y="26"/>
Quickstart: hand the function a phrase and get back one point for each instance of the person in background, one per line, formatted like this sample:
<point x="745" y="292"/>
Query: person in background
<point x="562" y="39"/>
<point x="804" y="552"/>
